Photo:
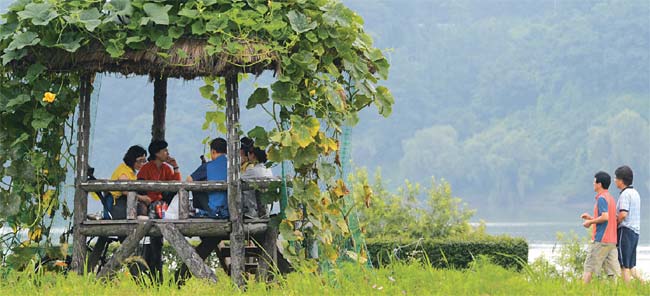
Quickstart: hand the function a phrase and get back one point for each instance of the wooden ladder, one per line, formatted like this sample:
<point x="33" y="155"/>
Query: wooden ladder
<point x="251" y="257"/>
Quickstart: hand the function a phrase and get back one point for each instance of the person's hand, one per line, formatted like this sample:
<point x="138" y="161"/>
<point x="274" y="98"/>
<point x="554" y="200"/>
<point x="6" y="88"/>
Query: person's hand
<point x="586" y="224"/>
<point x="145" y="199"/>
<point x="585" y="216"/>
<point x="172" y="161"/>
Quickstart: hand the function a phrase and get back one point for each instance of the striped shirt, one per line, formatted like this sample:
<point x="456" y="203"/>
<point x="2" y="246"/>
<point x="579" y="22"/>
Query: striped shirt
<point x="630" y="202"/>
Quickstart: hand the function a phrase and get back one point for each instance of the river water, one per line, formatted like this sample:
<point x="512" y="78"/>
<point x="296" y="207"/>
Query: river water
<point x="542" y="239"/>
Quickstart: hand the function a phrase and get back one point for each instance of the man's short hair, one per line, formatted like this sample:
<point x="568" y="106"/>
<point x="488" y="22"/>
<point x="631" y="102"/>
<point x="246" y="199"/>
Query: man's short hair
<point x="220" y="145"/>
<point x="155" y="147"/>
<point x="625" y="174"/>
<point x="604" y="179"/>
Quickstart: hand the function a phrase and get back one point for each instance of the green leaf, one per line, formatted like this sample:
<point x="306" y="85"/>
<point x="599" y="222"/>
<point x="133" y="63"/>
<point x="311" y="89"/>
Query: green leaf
<point x="306" y="156"/>
<point x="216" y="24"/>
<point x="164" y="42"/>
<point x="119" y="8"/>
<point x="40" y="13"/>
<point x="13" y="55"/>
<point x="284" y="93"/>
<point x="198" y="28"/>
<point x="206" y="91"/>
<point x="91" y="18"/>
<point x="260" y="136"/>
<point x="384" y="101"/>
<point x="299" y="22"/>
<point x="34" y="70"/>
<point x="69" y="44"/>
<point x="176" y="32"/>
<point x="158" y="13"/>
<point x="42" y="118"/>
<point x="259" y="97"/>
<point x="115" y="48"/>
<point x="338" y="14"/>
<point x="135" y="39"/>
<point x="19" y="100"/>
<point x="23" y="39"/>
<point x="189" y="13"/>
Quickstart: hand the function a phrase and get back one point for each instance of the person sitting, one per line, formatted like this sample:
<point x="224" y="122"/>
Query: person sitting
<point x="132" y="162"/>
<point x="255" y="168"/>
<point x="161" y="167"/>
<point x="213" y="204"/>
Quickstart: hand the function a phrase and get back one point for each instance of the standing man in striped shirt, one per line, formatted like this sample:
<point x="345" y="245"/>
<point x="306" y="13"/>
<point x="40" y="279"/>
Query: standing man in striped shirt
<point x="629" y="221"/>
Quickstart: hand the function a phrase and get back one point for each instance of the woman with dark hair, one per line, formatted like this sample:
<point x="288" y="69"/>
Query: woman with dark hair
<point x="254" y="168"/>
<point x="133" y="161"/>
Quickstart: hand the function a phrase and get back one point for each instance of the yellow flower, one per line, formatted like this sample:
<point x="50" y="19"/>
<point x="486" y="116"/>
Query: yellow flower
<point x="49" y="97"/>
<point x="312" y="92"/>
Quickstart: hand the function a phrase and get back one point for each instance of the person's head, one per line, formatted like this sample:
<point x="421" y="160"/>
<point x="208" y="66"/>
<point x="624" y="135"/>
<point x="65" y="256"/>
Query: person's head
<point x="624" y="177"/>
<point x="158" y="150"/>
<point x="246" y="146"/>
<point x="601" y="181"/>
<point x="218" y="146"/>
<point x="135" y="157"/>
<point x="257" y="155"/>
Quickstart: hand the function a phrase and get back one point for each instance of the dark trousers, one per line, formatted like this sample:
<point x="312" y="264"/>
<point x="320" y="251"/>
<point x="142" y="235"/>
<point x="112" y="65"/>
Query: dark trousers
<point x="152" y="255"/>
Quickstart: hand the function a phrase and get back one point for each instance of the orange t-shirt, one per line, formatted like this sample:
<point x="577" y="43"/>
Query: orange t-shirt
<point x="151" y="172"/>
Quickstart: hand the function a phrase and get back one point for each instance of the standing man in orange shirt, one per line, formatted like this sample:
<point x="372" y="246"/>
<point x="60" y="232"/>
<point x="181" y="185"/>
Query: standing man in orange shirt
<point x="161" y="167"/>
<point x="602" y="249"/>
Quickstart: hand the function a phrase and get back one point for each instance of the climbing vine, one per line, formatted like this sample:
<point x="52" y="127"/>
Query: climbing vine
<point x="327" y="71"/>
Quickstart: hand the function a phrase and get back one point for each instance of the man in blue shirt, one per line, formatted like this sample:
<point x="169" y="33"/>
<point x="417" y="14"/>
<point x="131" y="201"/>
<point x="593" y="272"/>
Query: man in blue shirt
<point x="215" y="204"/>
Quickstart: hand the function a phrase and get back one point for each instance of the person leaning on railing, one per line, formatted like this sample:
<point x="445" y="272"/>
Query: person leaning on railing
<point x="115" y="202"/>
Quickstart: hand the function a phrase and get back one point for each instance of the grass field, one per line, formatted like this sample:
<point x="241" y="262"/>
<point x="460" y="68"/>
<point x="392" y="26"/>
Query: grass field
<point x="483" y="278"/>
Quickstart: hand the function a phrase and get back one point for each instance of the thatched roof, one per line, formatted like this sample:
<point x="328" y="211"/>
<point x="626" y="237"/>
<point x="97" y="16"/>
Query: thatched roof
<point x="149" y="61"/>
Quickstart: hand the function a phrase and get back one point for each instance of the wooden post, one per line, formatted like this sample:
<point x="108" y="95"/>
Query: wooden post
<point x="159" y="107"/>
<point x="183" y="204"/>
<point x="269" y="257"/>
<point x="125" y="250"/>
<point x="187" y="253"/>
<point x="234" y="183"/>
<point x="131" y="206"/>
<point x="81" y="196"/>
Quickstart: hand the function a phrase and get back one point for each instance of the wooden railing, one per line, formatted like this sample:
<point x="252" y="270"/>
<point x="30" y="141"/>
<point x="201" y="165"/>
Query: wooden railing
<point x="169" y="186"/>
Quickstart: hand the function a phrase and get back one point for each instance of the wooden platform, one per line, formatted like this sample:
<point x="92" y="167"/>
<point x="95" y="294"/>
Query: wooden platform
<point x="188" y="227"/>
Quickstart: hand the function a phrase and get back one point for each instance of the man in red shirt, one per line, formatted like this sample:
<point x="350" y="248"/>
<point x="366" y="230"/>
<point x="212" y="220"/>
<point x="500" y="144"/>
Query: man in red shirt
<point x="161" y="167"/>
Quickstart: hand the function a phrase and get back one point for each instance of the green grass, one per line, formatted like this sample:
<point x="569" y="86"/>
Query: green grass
<point x="481" y="278"/>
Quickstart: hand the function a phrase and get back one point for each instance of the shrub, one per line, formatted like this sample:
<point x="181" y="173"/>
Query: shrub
<point x="453" y="252"/>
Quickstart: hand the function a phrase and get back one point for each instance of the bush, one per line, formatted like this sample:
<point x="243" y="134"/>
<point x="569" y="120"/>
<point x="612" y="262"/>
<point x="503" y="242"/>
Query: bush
<point x="412" y="211"/>
<point x="453" y="252"/>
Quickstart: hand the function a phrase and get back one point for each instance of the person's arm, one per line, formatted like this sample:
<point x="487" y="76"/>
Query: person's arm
<point x="623" y="208"/>
<point x="604" y="215"/>
<point x="189" y="179"/>
<point x="622" y="214"/>
<point x="123" y="177"/>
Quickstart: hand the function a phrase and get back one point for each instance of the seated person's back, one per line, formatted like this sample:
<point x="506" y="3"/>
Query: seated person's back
<point x="215" y="203"/>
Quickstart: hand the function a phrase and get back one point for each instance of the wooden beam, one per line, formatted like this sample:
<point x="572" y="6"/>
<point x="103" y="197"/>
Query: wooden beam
<point x="183" y="204"/>
<point x="125" y="250"/>
<point x="173" y="186"/>
<point x="81" y="196"/>
<point x="189" y="227"/>
<point x="192" y="260"/>
<point x="234" y="181"/>
<point x="159" y="108"/>
<point x="131" y="205"/>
